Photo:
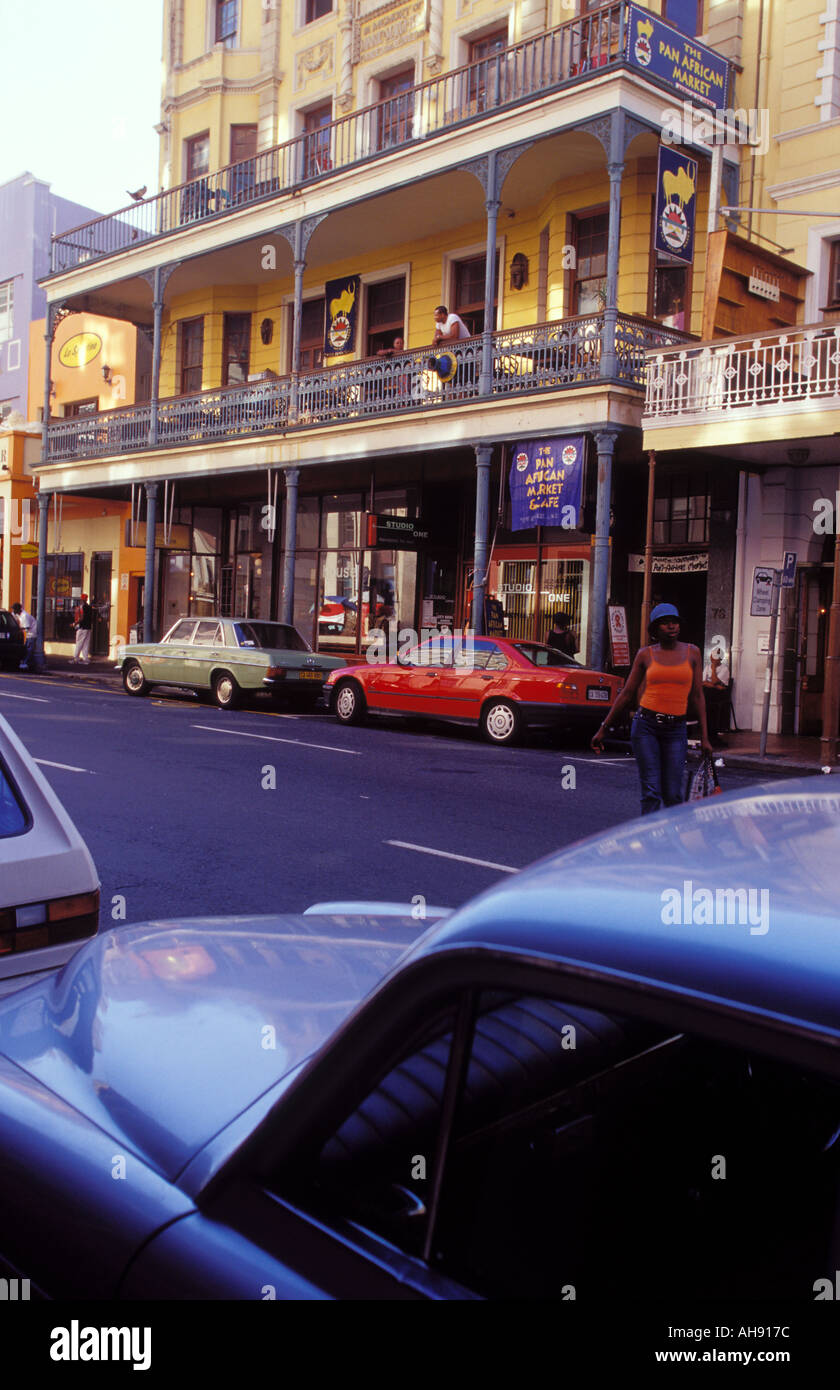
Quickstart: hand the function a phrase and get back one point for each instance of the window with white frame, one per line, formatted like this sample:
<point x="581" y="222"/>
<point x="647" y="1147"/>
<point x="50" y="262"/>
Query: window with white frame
<point x="226" y="22"/>
<point x="7" y="300"/>
<point x="833" y="298"/>
<point x="316" y="9"/>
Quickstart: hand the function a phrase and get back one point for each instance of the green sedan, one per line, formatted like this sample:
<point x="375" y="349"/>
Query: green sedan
<point x="229" y="658"/>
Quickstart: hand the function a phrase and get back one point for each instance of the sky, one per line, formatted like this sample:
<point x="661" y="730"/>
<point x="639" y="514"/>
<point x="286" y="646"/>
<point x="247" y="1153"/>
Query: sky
<point x="80" y="85"/>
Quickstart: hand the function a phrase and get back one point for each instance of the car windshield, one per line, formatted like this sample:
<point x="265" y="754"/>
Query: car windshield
<point x="540" y="655"/>
<point x="273" y="636"/>
<point x="13" y="817"/>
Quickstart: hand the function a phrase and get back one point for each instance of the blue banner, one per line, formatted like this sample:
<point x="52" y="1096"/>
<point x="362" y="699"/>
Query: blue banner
<point x="676" y="184"/>
<point x="546" y="478"/>
<point x="342" y="315"/>
<point x="689" y="67"/>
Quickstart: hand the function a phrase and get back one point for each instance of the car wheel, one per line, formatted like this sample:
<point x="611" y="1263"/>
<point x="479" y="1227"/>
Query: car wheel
<point x="500" y="722"/>
<point x="349" y="703"/>
<point x="134" y="682"/>
<point x="226" y="692"/>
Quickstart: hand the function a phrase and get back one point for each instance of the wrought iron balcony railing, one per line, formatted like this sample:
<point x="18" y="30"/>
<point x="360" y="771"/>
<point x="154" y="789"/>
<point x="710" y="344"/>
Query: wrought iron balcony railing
<point x="568" y="54"/>
<point x="544" y="357"/>
<point x="767" y="372"/>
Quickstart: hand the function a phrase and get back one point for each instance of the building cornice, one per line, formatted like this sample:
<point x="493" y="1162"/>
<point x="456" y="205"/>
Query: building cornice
<point x="812" y="183"/>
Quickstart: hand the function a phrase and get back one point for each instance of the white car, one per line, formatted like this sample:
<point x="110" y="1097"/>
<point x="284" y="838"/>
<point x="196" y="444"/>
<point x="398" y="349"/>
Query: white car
<point x="49" y="887"/>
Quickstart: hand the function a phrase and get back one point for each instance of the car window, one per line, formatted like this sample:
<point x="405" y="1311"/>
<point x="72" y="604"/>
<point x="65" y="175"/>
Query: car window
<point x="488" y="657"/>
<point x="14" y="817"/>
<point x="270" y="636"/>
<point x="182" y="631"/>
<point x="444" y="650"/>
<point x="540" y="655"/>
<point x="208" y="633"/>
<point x="579" y="1136"/>
<point x="663" y="1146"/>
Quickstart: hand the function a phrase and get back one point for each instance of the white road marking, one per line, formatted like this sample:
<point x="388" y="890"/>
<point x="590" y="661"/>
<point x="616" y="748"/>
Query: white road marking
<point x="444" y="854"/>
<point x="65" y="767"/>
<point x="36" y="699"/>
<point x="269" y="738"/>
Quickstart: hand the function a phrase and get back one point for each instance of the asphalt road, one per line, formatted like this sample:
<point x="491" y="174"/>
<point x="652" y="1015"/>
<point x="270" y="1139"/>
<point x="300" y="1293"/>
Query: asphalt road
<point x="189" y="810"/>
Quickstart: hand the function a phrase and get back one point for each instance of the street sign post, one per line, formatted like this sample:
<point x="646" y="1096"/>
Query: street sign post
<point x="775" y="587"/>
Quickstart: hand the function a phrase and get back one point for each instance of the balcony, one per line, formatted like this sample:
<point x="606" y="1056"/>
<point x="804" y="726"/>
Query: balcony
<point x="744" y="380"/>
<point x="545" y="357"/>
<point x="592" y="44"/>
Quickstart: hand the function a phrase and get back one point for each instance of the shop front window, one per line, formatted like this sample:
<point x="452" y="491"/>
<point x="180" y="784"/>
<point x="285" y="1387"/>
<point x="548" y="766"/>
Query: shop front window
<point x="341" y="522"/>
<point x="247" y="588"/>
<point x="562" y="593"/>
<point x="338" y="607"/>
<point x="516" y="588"/>
<point x="389" y="589"/>
<point x="306" y="530"/>
<point x="304" y="612"/>
<point x="203" y="585"/>
<point x="64" y="588"/>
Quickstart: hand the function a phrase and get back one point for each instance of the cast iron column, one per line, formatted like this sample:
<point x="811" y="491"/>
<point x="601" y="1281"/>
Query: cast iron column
<point x="149" y="585"/>
<point x="289" y="544"/>
<point x="155" y="387"/>
<point x="493" y="203"/>
<point x="44" y="499"/>
<point x="483" y="455"/>
<point x="605" y="444"/>
<point x="615" y="168"/>
<point x="297" y="316"/>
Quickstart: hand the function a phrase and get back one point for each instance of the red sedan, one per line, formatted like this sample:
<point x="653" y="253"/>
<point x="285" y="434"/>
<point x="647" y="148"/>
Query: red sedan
<point x="503" y="686"/>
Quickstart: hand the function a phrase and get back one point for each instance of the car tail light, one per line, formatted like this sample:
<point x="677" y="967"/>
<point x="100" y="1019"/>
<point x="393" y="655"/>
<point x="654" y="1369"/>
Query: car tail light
<point x="567" y="687"/>
<point x="49" y="923"/>
<point x="276" y="673"/>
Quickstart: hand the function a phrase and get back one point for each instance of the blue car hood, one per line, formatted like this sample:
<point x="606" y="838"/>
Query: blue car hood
<point x="162" y="1033"/>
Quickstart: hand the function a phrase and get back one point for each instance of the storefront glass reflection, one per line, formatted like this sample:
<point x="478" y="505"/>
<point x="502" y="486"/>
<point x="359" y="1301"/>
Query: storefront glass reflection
<point x="561" y="586"/>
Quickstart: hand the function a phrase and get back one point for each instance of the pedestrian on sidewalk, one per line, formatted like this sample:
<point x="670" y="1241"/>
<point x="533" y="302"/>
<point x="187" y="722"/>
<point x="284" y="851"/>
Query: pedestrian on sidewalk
<point x="82" y="622"/>
<point x="667" y="676"/>
<point x="561" y="635"/>
<point x="30" y="632"/>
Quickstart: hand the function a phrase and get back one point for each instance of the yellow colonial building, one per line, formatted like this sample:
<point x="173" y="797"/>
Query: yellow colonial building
<point x="334" y="171"/>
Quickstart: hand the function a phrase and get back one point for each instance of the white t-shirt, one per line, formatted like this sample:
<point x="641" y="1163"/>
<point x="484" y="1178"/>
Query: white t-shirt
<point x="27" y="622"/>
<point x="722" y="672"/>
<point x="463" y="331"/>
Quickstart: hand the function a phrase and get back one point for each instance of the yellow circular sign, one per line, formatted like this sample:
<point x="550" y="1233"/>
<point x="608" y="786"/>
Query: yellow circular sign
<point x="80" y="349"/>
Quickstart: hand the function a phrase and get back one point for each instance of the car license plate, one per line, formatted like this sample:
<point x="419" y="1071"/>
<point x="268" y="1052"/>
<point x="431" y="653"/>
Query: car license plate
<point x="311" y="675"/>
<point x="597" y="692"/>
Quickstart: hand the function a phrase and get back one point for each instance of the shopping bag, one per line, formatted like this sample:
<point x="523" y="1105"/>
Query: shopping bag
<point x="705" y="780"/>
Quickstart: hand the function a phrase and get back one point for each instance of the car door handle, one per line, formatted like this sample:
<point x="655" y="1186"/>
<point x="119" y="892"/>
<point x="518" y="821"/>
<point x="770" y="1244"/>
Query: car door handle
<point x="486" y="675"/>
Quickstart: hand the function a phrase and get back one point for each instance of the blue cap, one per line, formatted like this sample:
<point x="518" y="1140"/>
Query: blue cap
<point x="663" y="610"/>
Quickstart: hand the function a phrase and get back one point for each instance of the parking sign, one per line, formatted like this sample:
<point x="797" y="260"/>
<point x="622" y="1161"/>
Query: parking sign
<point x="789" y="569"/>
<point x="762" y="591"/>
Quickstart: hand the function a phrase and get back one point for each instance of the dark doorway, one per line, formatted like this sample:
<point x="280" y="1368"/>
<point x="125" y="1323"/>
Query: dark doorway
<point x="100" y="602"/>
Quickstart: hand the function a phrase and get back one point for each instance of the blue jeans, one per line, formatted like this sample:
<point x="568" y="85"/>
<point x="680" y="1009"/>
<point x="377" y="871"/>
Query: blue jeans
<point x="660" y="751"/>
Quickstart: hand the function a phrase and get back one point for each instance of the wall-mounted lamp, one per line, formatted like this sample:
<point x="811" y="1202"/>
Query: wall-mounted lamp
<point x="266" y="331"/>
<point x="52" y="389"/>
<point x="106" y="374"/>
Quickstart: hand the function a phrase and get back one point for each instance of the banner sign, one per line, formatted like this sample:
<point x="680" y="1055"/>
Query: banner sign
<point x="342" y="313"/>
<point x="692" y="69"/>
<point x="695" y="563"/>
<point x="676" y="182"/>
<point x="619" y="636"/>
<point x="546" y="478"/>
<point x="494" y="618"/>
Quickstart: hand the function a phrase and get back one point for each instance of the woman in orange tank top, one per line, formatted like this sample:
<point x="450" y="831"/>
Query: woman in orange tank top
<point x="668" y="674"/>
